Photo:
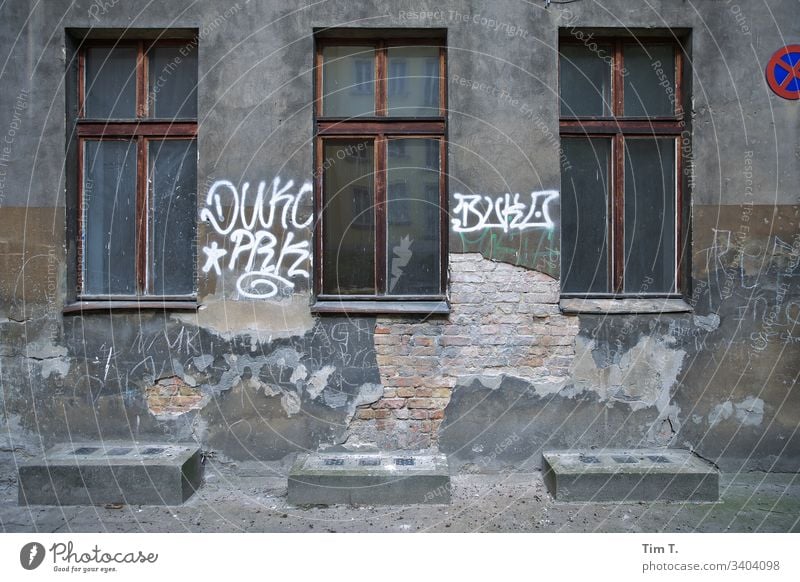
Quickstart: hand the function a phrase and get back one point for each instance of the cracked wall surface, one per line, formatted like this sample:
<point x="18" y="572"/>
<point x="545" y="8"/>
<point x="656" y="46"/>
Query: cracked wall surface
<point x="505" y="374"/>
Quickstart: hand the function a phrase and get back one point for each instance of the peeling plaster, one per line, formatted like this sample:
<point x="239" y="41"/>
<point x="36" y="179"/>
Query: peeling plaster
<point x="264" y="320"/>
<point x="52" y="366"/>
<point x="642" y="377"/>
<point x="749" y="412"/>
<point x="318" y="381"/>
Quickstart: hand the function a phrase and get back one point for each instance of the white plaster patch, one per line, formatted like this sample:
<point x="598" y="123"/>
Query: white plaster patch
<point x="54" y="366"/>
<point x="299" y="374"/>
<point x="708" y="322"/>
<point x="750" y="411"/>
<point x="720" y="412"/>
<point x="290" y="401"/>
<point x="318" y="381"/>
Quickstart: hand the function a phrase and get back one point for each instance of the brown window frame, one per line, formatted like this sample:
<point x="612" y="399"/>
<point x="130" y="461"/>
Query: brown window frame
<point x="379" y="128"/>
<point x="617" y="127"/>
<point x="142" y="129"/>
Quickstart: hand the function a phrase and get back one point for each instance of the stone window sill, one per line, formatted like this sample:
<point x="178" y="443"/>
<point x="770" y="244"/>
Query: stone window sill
<point x="624" y="306"/>
<point x="438" y="307"/>
<point x="83" y="306"/>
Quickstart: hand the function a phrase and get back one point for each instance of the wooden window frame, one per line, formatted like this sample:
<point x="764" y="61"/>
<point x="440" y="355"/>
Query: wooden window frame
<point x="617" y="127"/>
<point x="142" y="129"/>
<point x="379" y="128"/>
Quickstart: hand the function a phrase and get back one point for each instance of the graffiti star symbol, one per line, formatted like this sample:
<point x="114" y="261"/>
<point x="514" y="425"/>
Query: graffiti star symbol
<point x="214" y="254"/>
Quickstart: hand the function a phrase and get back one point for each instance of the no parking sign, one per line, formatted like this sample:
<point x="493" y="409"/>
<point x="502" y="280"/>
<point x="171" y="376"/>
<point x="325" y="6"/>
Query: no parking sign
<point x="783" y="72"/>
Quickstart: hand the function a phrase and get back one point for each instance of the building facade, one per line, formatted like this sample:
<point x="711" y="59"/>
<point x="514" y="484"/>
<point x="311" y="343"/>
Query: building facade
<point x="483" y="229"/>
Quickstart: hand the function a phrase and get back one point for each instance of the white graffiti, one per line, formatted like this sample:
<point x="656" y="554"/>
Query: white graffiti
<point x="506" y="212"/>
<point x="267" y="264"/>
<point x="402" y="255"/>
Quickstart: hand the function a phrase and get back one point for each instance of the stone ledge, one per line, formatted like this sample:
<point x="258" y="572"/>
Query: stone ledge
<point x="96" y="473"/>
<point x="386" y="478"/>
<point x="629" y="475"/>
<point x="624" y="306"/>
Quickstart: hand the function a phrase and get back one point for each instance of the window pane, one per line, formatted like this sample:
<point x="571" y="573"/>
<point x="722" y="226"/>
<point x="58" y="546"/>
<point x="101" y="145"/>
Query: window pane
<point x="110" y="83"/>
<point x="649" y="80"/>
<point x="348" y="81"/>
<point x="649" y="215"/>
<point x="173" y="81"/>
<point x="109" y="217"/>
<point x="348" y="217"/>
<point x="585" y="80"/>
<point x="173" y="180"/>
<point x="412" y="216"/>
<point x="413" y="81"/>
<point x="584" y="215"/>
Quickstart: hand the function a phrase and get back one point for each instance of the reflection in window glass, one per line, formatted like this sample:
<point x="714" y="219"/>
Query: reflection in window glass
<point x="109" y="217"/>
<point x="348" y="81"/>
<point x="173" y="82"/>
<point x="649" y="215"/>
<point x="173" y="180"/>
<point x="413" y="81"/>
<point x="585" y="80"/>
<point x="584" y="214"/>
<point x="649" y="80"/>
<point x="412" y="198"/>
<point x="110" y="79"/>
<point x="348" y="218"/>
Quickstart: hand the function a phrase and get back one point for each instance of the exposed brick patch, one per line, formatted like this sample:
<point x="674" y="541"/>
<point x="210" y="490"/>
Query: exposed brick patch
<point x="173" y="396"/>
<point x="504" y="320"/>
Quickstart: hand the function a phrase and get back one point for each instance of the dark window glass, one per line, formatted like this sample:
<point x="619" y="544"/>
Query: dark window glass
<point x="173" y="81"/>
<point x="413" y="81"/>
<point x="584" y="214"/>
<point x="412" y="195"/>
<point x="109" y="217"/>
<point x="649" y="80"/>
<point x="649" y="215"/>
<point x="348" y="217"/>
<point x="348" y="81"/>
<point x="585" y="80"/>
<point x="110" y="79"/>
<point x="173" y="182"/>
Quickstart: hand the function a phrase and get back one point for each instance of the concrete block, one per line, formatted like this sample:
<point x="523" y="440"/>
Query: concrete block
<point x="369" y="479"/>
<point x="104" y="472"/>
<point x="630" y="475"/>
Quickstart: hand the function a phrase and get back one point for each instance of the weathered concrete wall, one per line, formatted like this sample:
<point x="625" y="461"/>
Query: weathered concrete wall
<point x="253" y="374"/>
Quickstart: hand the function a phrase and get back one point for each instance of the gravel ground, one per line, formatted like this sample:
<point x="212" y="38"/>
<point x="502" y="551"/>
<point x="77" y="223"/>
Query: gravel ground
<point x="251" y="496"/>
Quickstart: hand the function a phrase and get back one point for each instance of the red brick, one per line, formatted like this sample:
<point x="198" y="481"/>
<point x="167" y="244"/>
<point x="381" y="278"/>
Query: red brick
<point x="420" y="403"/>
<point x="365" y="414"/>
<point x="436" y="414"/>
<point x="391" y="403"/>
<point x="419" y="414"/>
<point x="423" y="393"/>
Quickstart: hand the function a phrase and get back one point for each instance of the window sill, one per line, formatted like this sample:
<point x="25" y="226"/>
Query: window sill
<point x="624" y="306"/>
<point x="379" y="307"/>
<point x="82" y="306"/>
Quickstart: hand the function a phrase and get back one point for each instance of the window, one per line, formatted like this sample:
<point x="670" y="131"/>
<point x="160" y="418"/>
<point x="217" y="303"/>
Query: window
<point x="380" y="176"/>
<point x="621" y="185"/>
<point x="137" y="169"/>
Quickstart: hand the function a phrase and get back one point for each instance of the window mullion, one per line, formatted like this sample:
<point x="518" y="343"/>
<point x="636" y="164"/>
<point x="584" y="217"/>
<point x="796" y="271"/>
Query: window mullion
<point x="618" y="206"/>
<point x="380" y="79"/>
<point x="141" y="216"/>
<point x="380" y="214"/>
<point x="141" y="82"/>
<point x="618" y="81"/>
